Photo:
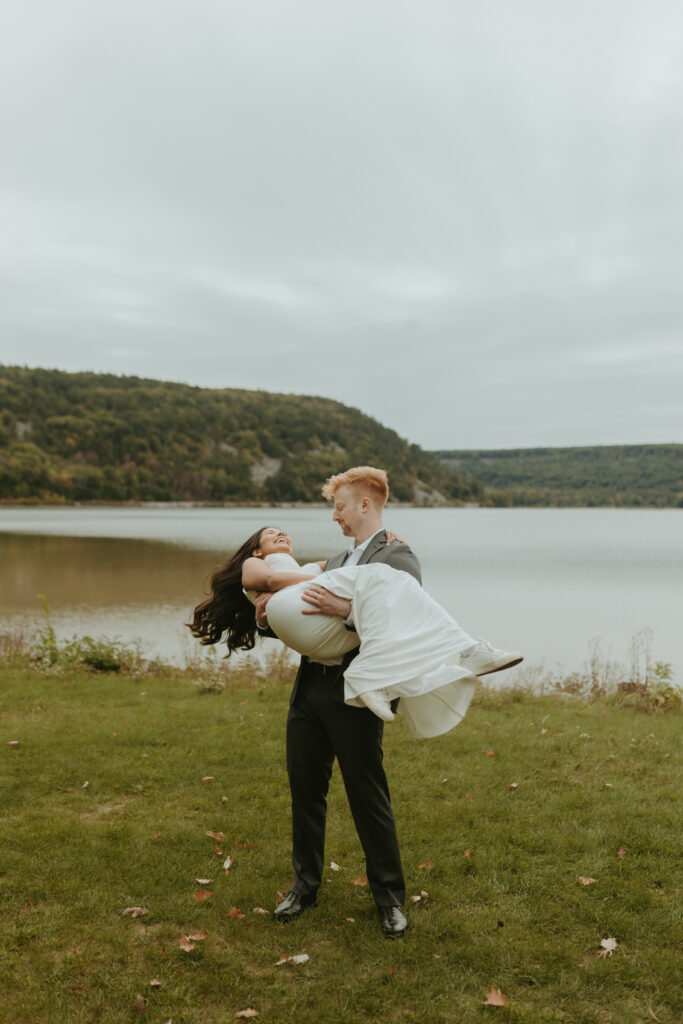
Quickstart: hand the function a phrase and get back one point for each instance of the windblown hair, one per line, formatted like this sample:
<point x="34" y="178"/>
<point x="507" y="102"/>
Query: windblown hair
<point x="373" y="483"/>
<point x="227" y="609"/>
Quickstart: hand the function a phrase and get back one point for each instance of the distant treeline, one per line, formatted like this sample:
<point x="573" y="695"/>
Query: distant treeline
<point x="98" y="437"/>
<point x="649" y="475"/>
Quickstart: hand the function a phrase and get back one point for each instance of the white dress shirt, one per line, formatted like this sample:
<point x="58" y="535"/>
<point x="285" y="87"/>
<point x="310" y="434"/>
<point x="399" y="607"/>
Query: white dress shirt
<point x="353" y="558"/>
<point x="354" y="555"/>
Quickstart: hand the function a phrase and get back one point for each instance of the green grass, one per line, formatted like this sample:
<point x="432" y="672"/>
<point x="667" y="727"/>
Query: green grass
<point x="512" y="914"/>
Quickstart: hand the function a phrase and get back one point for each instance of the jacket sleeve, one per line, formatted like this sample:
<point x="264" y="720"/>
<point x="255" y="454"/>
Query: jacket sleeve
<point x="265" y="631"/>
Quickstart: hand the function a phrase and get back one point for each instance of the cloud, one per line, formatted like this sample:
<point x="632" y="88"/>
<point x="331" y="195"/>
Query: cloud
<point x="451" y="216"/>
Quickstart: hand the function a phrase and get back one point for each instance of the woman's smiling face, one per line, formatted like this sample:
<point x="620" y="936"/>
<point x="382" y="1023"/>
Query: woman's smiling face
<point x="272" y="541"/>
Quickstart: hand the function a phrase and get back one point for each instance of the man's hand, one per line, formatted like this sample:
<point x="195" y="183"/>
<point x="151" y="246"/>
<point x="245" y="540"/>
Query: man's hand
<point x="322" y="602"/>
<point x="391" y="537"/>
<point x="260" y="602"/>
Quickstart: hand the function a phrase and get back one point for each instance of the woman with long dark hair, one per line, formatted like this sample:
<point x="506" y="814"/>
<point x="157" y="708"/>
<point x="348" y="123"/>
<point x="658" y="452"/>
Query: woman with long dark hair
<point x="409" y="646"/>
<point x="227" y="608"/>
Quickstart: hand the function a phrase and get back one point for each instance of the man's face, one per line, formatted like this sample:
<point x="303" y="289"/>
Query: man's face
<point x="349" y="509"/>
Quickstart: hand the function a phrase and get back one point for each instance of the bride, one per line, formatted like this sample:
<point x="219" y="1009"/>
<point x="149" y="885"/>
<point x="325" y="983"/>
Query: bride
<point x="409" y="646"/>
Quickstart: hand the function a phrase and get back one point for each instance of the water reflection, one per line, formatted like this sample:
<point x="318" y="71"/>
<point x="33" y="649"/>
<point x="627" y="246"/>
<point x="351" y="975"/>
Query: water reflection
<point x="546" y="581"/>
<point x="98" y="572"/>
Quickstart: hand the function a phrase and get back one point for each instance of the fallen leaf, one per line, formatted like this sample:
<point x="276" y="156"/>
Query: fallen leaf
<point x="426" y="864"/>
<point x="12" y="743"/>
<point x="415" y="899"/>
<point x="586" y="881"/>
<point x="215" y="835"/>
<point x="246" y="846"/>
<point x="246" y="1013"/>
<point x="259" y="910"/>
<point x="467" y="854"/>
<point x="608" y="947"/>
<point x="208" y="778"/>
<point x="512" y="785"/>
<point x="494" y="997"/>
<point x="217" y="850"/>
<point x="67" y="789"/>
<point x="424" y="895"/>
<point x="543" y="732"/>
<point x="444" y="780"/>
<point x="203" y="881"/>
<point x="203" y="894"/>
<point x="335" y="867"/>
<point x="351" y="920"/>
<point x="359" y="881"/>
<point x="584" y="736"/>
<point x="224" y="799"/>
<point x="390" y="971"/>
<point x="185" y="944"/>
<point x="449" y="802"/>
<point x="227" y="863"/>
<point x="621" y="853"/>
<point x="489" y="753"/>
<point x="607" y="785"/>
<point x="155" y="983"/>
<point x="235" y="912"/>
<point x="134" y="912"/>
<point x="300" y="958"/>
<point x="140" y="1004"/>
<point x="197" y="936"/>
<point x="470" y="798"/>
<point x="85" y="785"/>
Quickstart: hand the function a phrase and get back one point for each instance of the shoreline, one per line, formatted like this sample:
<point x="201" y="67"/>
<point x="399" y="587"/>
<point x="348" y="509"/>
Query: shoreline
<point x="211" y="504"/>
<point x="463" y="506"/>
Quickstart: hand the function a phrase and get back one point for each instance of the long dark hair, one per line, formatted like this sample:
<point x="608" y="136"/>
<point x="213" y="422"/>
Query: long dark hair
<point x="227" y="608"/>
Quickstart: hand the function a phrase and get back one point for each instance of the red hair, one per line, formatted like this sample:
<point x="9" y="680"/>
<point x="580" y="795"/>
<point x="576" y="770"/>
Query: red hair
<point x="373" y="483"/>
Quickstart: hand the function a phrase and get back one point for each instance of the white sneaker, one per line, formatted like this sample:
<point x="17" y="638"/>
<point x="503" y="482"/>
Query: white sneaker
<point x="484" y="658"/>
<point x="377" y="701"/>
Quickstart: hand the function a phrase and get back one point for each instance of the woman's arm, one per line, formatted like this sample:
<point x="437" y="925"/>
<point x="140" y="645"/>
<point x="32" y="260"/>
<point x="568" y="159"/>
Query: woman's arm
<point x="257" y="575"/>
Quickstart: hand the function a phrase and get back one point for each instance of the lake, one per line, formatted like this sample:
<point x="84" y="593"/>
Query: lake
<point x="546" y="581"/>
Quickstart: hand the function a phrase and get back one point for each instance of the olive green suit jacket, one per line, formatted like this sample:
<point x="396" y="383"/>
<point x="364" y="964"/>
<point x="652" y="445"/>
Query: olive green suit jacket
<point x="399" y="556"/>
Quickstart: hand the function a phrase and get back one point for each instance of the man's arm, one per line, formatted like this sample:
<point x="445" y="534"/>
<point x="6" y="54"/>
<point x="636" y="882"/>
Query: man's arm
<point x="262" y="626"/>
<point x="322" y="602"/>
<point x="398" y="555"/>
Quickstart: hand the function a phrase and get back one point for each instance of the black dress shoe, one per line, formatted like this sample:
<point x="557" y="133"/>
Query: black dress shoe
<point x="292" y="906"/>
<point x="394" y="924"/>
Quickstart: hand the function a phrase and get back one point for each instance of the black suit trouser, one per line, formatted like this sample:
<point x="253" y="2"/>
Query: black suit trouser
<point x="321" y="727"/>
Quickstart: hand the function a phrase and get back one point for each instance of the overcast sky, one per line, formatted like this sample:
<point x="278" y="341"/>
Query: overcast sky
<point x="464" y="218"/>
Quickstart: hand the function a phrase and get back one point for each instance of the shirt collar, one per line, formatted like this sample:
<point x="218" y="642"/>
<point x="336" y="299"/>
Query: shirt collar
<point x="362" y="547"/>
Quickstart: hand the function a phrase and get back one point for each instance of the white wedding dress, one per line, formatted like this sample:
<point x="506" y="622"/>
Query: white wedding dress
<point x="409" y="645"/>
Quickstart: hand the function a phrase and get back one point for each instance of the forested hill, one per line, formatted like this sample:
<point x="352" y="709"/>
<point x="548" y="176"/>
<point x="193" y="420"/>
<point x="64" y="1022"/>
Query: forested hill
<point x="615" y="475"/>
<point x="99" y="437"/>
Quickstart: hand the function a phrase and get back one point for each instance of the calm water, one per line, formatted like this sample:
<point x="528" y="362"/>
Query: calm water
<point x="544" y="580"/>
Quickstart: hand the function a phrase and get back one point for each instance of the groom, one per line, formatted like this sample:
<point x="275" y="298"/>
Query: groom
<point x="320" y="726"/>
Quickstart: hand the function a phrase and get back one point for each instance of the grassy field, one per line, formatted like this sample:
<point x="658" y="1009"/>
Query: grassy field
<point x="115" y="782"/>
